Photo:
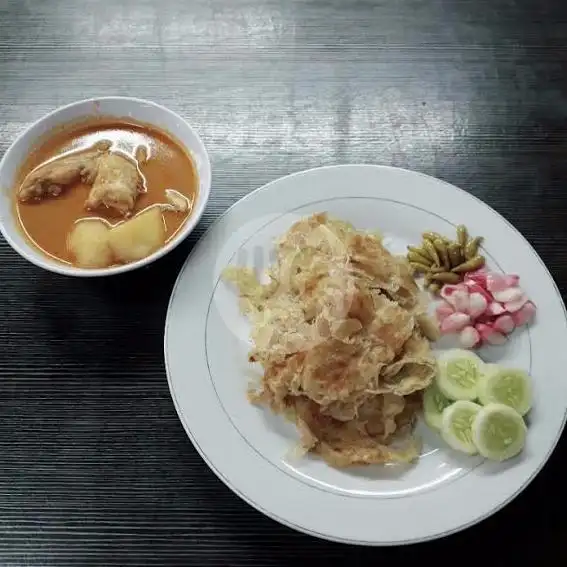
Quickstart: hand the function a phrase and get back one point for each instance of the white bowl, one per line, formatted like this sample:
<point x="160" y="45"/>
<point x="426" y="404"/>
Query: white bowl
<point x="116" y="107"/>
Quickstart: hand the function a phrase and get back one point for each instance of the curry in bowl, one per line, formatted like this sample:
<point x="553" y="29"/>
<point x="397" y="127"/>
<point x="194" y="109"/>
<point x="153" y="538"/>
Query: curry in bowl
<point x="105" y="192"/>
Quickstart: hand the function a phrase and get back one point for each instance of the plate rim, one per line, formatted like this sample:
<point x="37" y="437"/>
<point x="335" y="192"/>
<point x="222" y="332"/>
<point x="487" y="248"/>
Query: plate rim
<point x="280" y="519"/>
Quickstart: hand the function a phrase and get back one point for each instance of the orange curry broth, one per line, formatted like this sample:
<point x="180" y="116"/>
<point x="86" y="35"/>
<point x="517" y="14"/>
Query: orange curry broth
<point x="48" y="222"/>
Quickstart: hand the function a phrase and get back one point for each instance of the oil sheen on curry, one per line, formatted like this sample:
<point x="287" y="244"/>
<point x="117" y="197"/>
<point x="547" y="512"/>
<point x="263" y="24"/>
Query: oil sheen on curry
<point x="105" y="192"/>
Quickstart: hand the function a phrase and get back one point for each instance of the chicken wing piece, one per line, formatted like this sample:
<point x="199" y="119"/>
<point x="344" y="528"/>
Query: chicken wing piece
<point x="116" y="185"/>
<point x="53" y="177"/>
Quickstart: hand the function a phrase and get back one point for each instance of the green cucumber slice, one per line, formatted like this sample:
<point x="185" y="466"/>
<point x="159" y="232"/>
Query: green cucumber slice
<point x="499" y="432"/>
<point x="459" y="373"/>
<point x="434" y="402"/>
<point x="506" y="386"/>
<point x="456" y="425"/>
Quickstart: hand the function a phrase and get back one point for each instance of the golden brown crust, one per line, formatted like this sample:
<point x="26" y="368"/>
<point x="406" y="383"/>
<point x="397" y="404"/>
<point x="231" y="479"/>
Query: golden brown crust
<point x="337" y="334"/>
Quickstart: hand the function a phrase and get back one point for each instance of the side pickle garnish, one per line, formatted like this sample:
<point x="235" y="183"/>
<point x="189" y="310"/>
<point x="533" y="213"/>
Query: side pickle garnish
<point x="442" y="260"/>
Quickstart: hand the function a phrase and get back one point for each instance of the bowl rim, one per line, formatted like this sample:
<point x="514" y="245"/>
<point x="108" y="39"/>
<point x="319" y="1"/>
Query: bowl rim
<point x="182" y="234"/>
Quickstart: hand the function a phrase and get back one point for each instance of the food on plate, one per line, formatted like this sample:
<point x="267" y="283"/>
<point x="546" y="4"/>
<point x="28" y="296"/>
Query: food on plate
<point x="88" y="243"/>
<point x="453" y="405"/>
<point x="434" y="402"/>
<point x="138" y="237"/>
<point x="459" y="374"/>
<point x="499" y="432"/>
<point x="484" y="308"/>
<point x="428" y="327"/>
<point x="108" y="169"/>
<point x="508" y="386"/>
<point x="338" y="332"/>
<point x="456" y="426"/>
<point x="444" y="261"/>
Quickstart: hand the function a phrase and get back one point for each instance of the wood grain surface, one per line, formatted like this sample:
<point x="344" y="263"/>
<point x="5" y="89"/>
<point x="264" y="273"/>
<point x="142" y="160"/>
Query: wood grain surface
<point x="95" y="468"/>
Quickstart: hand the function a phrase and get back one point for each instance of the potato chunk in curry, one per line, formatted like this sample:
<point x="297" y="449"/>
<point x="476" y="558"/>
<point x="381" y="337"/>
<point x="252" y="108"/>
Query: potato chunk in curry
<point x="88" y="244"/>
<point x="138" y="237"/>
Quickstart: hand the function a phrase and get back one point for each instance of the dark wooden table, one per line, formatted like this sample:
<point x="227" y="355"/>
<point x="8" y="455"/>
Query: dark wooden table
<point x="95" y="468"/>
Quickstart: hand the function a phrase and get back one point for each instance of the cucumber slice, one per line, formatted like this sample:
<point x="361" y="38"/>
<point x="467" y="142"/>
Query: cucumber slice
<point x="459" y="373"/>
<point x="434" y="402"/>
<point x="456" y="426"/>
<point x="506" y="386"/>
<point x="499" y="432"/>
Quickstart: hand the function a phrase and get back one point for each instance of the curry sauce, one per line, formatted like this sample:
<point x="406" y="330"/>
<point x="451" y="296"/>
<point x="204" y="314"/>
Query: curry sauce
<point x="162" y="162"/>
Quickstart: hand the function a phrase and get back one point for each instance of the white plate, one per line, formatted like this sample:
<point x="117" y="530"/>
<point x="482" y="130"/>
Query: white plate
<point x="206" y="344"/>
